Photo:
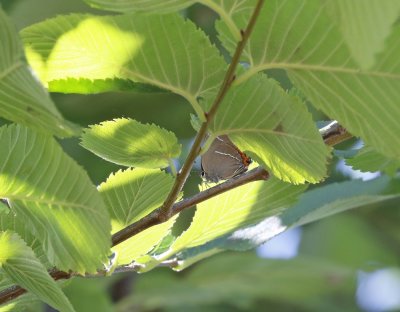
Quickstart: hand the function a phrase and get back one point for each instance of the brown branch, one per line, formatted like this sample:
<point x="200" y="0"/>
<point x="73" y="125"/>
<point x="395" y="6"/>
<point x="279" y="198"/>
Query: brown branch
<point x="165" y="212"/>
<point x="153" y="218"/>
<point x="15" y="291"/>
<point x="168" y="209"/>
<point x="11" y="293"/>
<point x="332" y="134"/>
<point x="335" y="134"/>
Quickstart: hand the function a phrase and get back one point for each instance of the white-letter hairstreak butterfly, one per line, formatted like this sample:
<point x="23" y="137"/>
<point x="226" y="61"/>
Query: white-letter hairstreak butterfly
<point x="223" y="160"/>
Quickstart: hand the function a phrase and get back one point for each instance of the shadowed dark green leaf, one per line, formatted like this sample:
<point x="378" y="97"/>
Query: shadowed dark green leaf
<point x="22" y="98"/>
<point x="369" y="160"/>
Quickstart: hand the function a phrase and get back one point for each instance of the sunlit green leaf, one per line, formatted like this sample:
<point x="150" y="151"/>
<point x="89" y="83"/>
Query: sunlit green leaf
<point x="124" y="6"/>
<point x="130" y="195"/>
<point x="18" y="261"/>
<point x="162" y="50"/>
<point x="300" y="37"/>
<point x="128" y="142"/>
<point x="275" y="128"/>
<point x="10" y="221"/>
<point x="55" y="199"/>
<point x="22" y="98"/>
<point x="89" y="86"/>
<point x="3" y="208"/>
<point x="237" y="208"/>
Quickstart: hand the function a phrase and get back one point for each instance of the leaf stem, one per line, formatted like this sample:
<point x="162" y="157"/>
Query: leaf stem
<point x="165" y="212"/>
<point x="226" y="18"/>
<point x="153" y="218"/>
<point x="172" y="167"/>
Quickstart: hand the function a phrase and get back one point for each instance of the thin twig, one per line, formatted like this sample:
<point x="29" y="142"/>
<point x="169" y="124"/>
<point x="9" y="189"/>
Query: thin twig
<point x="166" y="209"/>
<point x="153" y="219"/>
<point x="15" y="291"/>
<point x="331" y="134"/>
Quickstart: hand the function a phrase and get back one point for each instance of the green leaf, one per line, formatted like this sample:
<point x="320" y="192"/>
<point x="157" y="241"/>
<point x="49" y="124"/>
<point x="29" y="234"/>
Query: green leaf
<point x="55" y="199"/>
<point x="364" y="25"/>
<point x="225" y="213"/>
<point x="369" y="160"/>
<point x="10" y="221"/>
<point x="130" y="195"/>
<point x="88" y="86"/>
<point x="162" y="50"/>
<point x="238" y="279"/>
<point x="128" y="142"/>
<point x="18" y="261"/>
<point x="275" y="128"/>
<point x="315" y="205"/>
<point x="22" y="98"/>
<point x="155" y="6"/>
<point x="228" y="12"/>
<point x="299" y="36"/>
<point x="25" y="303"/>
<point x="3" y="208"/>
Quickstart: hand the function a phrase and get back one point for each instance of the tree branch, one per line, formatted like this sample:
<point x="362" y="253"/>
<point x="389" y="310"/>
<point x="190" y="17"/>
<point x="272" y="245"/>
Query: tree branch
<point x="153" y="218"/>
<point x="168" y="209"/>
<point x="165" y="211"/>
<point x="332" y="135"/>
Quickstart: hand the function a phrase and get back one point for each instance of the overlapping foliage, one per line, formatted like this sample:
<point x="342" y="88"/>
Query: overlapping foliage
<point x="56" y="217"/>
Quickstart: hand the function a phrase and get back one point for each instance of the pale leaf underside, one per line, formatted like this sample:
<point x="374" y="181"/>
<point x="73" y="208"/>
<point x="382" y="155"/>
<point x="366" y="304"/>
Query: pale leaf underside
<point x="299" y="36"/>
